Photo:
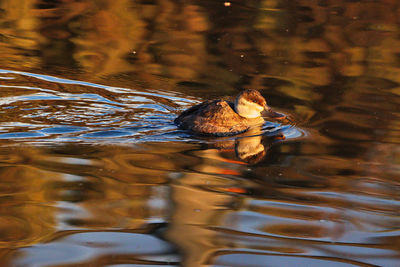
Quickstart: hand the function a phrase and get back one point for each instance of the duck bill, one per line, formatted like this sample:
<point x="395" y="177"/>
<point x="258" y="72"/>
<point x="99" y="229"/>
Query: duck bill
<point x="271" y="114"/>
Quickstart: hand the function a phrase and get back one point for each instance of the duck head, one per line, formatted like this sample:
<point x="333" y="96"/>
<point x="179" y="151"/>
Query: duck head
<point x="251" y="104"/>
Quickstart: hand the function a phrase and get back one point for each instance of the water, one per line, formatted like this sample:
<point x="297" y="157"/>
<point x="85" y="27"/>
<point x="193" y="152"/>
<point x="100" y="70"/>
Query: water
<point x="93" y="172"/>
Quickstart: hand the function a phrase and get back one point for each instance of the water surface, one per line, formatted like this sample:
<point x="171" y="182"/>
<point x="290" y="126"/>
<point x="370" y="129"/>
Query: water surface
<point x="93" y="172"/>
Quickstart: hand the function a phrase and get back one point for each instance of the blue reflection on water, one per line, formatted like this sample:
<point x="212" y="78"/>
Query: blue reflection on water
<point x="121" y="114"/>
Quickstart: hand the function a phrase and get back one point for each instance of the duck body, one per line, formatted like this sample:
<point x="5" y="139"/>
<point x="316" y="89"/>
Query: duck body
<point x="215" y="118"/>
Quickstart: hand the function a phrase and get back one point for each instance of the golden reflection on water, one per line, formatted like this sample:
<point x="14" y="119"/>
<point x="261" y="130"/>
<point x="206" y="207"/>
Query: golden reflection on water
<point x="301" y="42"/>
<point x="204" y="204"/>
<point x="94" y="173"/>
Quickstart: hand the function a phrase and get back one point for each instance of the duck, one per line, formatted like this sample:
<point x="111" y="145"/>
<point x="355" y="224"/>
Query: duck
<point x="220" y="117"/>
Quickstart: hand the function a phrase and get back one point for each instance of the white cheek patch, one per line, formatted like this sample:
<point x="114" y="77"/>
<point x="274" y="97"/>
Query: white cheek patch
<point x="248" y="109"/>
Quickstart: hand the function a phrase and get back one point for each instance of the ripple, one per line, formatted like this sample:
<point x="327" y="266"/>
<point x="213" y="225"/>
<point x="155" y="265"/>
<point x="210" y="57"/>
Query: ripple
<point x="50" y="107"/>
<point x="45" y="108"/>
<point x="80" y="247"/>
<point x="20" y="135"/>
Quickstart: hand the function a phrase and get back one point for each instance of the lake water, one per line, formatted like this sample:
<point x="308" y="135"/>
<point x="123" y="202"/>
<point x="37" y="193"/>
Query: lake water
<point x="93" y="171"/>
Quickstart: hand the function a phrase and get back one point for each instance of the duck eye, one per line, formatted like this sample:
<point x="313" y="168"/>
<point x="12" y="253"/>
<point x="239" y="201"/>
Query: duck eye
<point x="257" y="101"/>
<point x="254" y="100"/>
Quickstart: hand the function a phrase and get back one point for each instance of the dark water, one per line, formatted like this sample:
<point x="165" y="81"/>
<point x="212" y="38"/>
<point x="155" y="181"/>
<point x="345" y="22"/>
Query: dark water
<point x="93" y="172"/>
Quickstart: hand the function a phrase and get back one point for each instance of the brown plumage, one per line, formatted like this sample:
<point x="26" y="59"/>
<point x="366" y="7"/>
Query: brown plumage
<point x="215" y="117"/>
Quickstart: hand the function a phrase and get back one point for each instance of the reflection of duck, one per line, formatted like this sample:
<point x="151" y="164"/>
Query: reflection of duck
<point x="252" y="150"/>
<point x="250" y="147"/>
<point x="223" y="118"/>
